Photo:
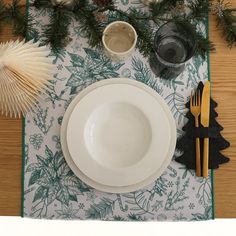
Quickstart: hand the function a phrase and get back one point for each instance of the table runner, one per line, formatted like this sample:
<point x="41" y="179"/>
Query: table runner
<point x="51" y="190"/>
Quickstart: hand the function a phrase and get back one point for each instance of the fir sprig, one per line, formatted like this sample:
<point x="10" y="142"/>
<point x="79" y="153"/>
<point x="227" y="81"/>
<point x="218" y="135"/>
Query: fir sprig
<point x="138" y="20"/>
<point x="226" y="19"/>
<point x="57" y="30"/>
<point x="204" y="45"/>
<point x="13" y="13"/>
<point x="89" y="25"/>
<point x="39" y="4"/>
<point x="199" y="9"/>
<point x="19" y="20"/>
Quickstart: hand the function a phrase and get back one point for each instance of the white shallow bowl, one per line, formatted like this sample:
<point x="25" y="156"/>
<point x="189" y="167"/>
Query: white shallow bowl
<point x="119" y="165"/>
<point x="115" y="137"/>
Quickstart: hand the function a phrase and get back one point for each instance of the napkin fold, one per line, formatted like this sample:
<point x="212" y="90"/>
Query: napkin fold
<point x="186" y="143"/>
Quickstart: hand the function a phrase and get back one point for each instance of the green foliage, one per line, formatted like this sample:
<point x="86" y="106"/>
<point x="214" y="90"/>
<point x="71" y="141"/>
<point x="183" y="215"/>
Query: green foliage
<point x="57" y="30"/>
<point x="12" y="13"/>
<point x="140" y="202"/>
<point x="54" y="179"/>
<point x="174" y="197"/>
<point x="42" y="4"/>
<point x="204" y="191"/>
<point x="118" y="218"/>
<point x="205" y="216"/>
<point x="90" y="27"/>
<point x="204" y="45"/>
<point x="137" y="19"/>
<point x="67" y="212"/>
<point x="85" y="71"/>
<point x="226" y="19"/>
<point x="160" y="186"/>
<point x="101" y="209"/>
<point x="134" y="217"/>
<point x="41" y="120"/>
<point x="142" y="73"/>
<point x="199" y="9"/>
<point x="177" y="106"/>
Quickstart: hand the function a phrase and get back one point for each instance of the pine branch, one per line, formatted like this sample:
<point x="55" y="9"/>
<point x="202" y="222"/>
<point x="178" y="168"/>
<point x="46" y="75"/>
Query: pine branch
<point x="42" y="4"/>
<point x="204" y="45"/>
<point x="143" y="29"/>
<point x="89" y="25"/>
<point x="57" y="30"/>
<point x="2" y="11"/>
<point x="199" y="9"/>
<point x="14" y="14"/>
<point x="226" y="19"/>
<point x="139" y="20"/>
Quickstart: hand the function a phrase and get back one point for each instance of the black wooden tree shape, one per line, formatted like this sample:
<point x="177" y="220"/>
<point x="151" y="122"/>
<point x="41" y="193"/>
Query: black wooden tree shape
<point x="186" y="143"/>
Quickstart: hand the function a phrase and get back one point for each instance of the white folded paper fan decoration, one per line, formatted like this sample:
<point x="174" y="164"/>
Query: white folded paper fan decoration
<point x="25" y="70"/>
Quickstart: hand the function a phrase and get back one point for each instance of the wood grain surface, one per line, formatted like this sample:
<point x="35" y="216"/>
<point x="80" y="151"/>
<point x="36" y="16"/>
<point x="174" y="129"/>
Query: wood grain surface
<point x="223" y="76"/>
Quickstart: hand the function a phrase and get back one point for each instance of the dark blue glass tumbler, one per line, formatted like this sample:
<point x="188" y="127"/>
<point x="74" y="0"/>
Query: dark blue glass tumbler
<point x="174" y="44"/>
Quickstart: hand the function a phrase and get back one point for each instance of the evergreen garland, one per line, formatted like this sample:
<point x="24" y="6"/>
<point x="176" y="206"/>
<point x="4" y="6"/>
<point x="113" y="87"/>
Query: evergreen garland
<point x="57" y="30"/>
<point x="226" y="19"/>
<point x="93" y="18"/>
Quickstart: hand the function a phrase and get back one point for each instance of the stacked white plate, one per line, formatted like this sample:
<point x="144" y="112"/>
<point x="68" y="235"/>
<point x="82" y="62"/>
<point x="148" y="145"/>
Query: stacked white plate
<point x="118" y="135"/>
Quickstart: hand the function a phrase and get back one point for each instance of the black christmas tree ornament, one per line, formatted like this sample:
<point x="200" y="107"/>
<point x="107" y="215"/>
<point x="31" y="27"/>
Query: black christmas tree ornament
<point x="186" y="143"/>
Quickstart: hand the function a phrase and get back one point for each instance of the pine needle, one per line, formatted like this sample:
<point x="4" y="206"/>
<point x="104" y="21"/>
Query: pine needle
<point x="57" y="30"/>
<point x="226" y="19"/>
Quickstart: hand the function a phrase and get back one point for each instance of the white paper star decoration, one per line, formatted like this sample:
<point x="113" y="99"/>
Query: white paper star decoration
<point x="25" y="70"/>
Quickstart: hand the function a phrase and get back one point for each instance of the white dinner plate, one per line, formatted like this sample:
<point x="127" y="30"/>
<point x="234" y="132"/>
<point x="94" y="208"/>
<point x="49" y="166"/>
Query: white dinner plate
<point x="107" y="188"/>
<point x="115" y="137"/>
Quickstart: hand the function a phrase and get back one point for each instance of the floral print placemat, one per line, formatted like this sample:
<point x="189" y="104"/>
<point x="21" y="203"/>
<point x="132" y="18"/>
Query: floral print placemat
<point x="52" y="191"/>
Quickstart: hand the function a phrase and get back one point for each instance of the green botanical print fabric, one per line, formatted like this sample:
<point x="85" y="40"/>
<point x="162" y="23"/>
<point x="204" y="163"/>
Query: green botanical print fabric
<point x="52" y="191"/>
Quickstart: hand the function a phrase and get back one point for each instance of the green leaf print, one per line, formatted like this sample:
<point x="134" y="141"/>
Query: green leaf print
<point x="36" y="140"/>
<point x="160" y="186"/>
<point x="134" y="217"/>
<point x="206" y="216"/>
<point x="175" y="197"/>
<point x="60" y="55"/>
<point x="118" y="218"/>
<point x="204" y="191"/>
<point x="54" y="181"/>
<point x="63" y="196"/>
<point x="40" y="193"/>
<point x="142" y="73"/>
<point x="177" y="106"/>
<point x="67" y="212"/>
<point x="73" y="198"/>
<point x="92" y="68"/>
<point x="34" y="177"/>
<point x="53" y="95"/>
<point x="33" y="167"/>
<point x="41" y="120"/>
<point x="171" y="83"/>
<point x="140" y="201"/>
<point x="76" y="60"/>
<point x="57" y="141"/>
<point x="93" y="54"/>
<point x="125" y="2"/>
<point x="101" y="209"/>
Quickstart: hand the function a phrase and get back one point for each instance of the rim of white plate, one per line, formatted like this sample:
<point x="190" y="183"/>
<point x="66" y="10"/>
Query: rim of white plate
<point x="106" y="188"/>
<point x="90" y="164"/>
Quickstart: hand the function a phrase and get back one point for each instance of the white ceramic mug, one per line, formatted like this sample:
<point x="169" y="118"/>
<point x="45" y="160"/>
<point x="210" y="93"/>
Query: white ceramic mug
<point x="119" y="40"/>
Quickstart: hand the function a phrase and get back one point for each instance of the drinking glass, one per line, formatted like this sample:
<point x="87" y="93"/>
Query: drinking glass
<point x="174" y="44"/>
